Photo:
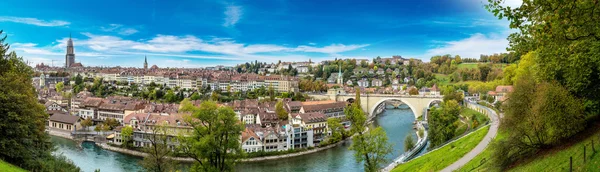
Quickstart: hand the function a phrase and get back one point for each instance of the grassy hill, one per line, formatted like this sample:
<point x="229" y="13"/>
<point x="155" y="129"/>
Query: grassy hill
<point x="474" y="65"/>
<point x="555" y="159"/>
<point x="6" y="167"/>
<point x="446" y="155"/>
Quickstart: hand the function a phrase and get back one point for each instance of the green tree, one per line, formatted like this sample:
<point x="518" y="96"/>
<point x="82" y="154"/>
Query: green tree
<point x="271" y="93"/>
<point x="159" y="151"/>
<point x="537" y="116"/>
<point x="170" y="97"/>
<point x="195" y="96"/>
<point x="214" y="96"/>
<point x="413" y="91"/>
<point x="98" y="128"/>
<point x="126" y="136"/>
<point x="334" y="125"/>
<point x="281" y="112"/>
<point x="565" y="36"/>
<point x="78" y="79"/>
<point x="111" y="123"/>
<point x="59" y="87"/>
<point x="87" y="122"/>
<point x="371" y="147"/>
<point x="23" y="140"/>
<point x="215" y="142"/>
<point x="409" y="143"/>
<point x="441" y="122"/>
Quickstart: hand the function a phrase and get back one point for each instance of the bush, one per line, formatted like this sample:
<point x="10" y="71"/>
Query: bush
<point x="409" y="143"/>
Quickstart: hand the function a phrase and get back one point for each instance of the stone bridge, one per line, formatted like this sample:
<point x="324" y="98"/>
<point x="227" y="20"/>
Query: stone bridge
<point x="370" y="102"/>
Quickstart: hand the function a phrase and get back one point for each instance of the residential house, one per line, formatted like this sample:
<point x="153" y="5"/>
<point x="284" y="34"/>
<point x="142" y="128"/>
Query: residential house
<point x="363" y="83"/>
<point x="251" y="141"/>
<point x="53" y="106"/>
<point x="146" y="125"/>
<point x="376" y="83"/>
<point x="316" y="121"/>
<point x="299" y="136"/>
<point x="502" y="92"/>
<point x="64" y="122"/>
<point x="330" y="108"/>
<point x="349" y="83"/>
<point x="293" y="106"/>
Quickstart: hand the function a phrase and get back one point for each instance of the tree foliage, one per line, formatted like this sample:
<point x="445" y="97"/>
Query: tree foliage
<point x="158" y="152"/>
<point x="409" y="143"/>
<point x="371" y="147"/>
<point x="86" y="123"/>
<point x="214" y="143"/>
<point x="413" y="91"/>
<point x="441" y="122"/>
<point x="59" y="87"/>
<point x="281" y="112"/>
<point x="566" y="38"/>
<point x="23" y="141"/>
<point x="126" y="136"/>
<point x="334" y="125"/>
<point x="537" y="116"/>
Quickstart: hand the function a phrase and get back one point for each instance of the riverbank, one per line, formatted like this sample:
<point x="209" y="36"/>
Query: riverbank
<point x="190" y="160"/>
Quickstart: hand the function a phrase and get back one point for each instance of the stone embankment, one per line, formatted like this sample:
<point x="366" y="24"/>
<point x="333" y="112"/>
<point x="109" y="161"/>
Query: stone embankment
<point x="185" y="159"/>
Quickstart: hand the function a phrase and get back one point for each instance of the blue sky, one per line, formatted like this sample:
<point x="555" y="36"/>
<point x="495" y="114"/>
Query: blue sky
<point x="206" y="33"/>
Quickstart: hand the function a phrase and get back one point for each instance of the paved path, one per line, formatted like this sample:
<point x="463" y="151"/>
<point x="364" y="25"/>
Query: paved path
<point x="482" y="145"/>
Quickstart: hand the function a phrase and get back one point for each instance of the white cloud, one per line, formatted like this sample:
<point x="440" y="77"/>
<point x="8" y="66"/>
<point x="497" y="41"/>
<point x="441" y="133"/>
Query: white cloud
<point x="178" y="47"/>
<point x="513" y="3"/>
<point x="233" y="14"/>
<point x="33" y="21"/>
<point x="189" y="43"/>
<point x="128" y="31"/>
<point x="31" y="48"/>
<point x="471" y="47"/>
<point x="330" y="49"/>
<point x="118" y="28"/>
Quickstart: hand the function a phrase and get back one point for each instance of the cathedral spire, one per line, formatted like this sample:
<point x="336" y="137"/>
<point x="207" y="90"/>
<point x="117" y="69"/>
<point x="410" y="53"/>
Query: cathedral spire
<point x="145" y="62"/>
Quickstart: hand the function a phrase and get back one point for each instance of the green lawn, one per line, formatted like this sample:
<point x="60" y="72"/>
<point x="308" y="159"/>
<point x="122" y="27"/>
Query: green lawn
<point x="482" y="161"/>
<point x="557" y="160"/>
<point x="474" y="65"/>
<point x="6" y="167"/>
<point x="442" y="78"/>
<point x="443" y="157"/>
<point x="467" y="65"/>
<point x="468" y="113"/>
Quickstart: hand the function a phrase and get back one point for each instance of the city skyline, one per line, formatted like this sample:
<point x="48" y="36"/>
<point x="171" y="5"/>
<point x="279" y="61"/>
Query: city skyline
<point x="194" y="34"/>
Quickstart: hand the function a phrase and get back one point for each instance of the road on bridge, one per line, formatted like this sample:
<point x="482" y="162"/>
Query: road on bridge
<point x="481" y="146"/>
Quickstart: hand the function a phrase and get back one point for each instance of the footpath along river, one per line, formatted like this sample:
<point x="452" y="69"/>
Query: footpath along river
<point x="396" y="122"/>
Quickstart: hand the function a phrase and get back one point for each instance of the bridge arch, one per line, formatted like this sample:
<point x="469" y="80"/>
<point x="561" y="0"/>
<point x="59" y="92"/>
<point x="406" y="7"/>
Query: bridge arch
<point x="374" y="107"/>
<point x="434" y="101"/>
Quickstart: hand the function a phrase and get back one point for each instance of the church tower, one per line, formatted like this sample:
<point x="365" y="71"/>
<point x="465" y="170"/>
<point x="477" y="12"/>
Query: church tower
<point x="70" y="57"/>
<point x="145" y="63"/>
<point x="340" y="79"/>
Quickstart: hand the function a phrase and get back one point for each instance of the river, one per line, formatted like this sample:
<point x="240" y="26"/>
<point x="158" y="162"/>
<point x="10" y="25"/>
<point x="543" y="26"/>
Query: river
<point x="396" y="122"/>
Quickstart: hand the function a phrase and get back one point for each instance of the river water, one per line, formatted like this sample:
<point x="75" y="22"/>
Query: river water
<point x="396" y="122"/>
